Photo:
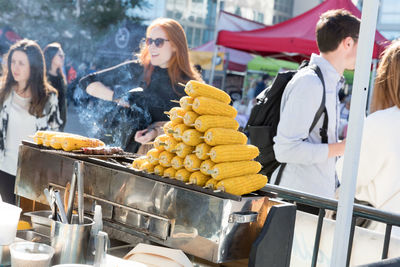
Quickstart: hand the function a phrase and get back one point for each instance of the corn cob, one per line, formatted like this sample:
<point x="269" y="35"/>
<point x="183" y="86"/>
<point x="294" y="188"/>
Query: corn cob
<point x="177" y="163"/>
<point x="205" y="122"/>
<point x="232" y="169"/>
<point x="39" y="136"/>
<point x="195" y="89"/>
<point x="159" y="142"/>
<point x="153" y="156"/>
<point x="211" y="183"/>
<point x="138" y="162"/>
<point x="170" y="144"/>
<point x="47" y="136"/>
<point x="182" y="175"/>
<point x="182" y="149"/>
<point x="77" y="142"/>
<point x="192" y="163"/>
<point x="242" y="184"/>
<point x="221" y="136"/>
<point x="191" y="137"/>
<point x="225" y="153"/>
<point x="202" y="151"/>
<point x="147" y="167"/>
<point x="176" y="114"/>
<point x="165" y="158"/>
<point x="168" y="128"/>
<point x="170" y="173"/>
<point x="208" y="106"/>
<point x="159" y="170"/>
<point x="178" y="131"/>
<point x="198" y="178"/>
<point x="57" y="140"/>
<point x="190" y="117"/>
<point x="186" y="103"/>
<point x="206" y="165"/>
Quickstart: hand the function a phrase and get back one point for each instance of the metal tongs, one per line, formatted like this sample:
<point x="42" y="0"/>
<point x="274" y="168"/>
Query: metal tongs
<point x="76" y="179"/>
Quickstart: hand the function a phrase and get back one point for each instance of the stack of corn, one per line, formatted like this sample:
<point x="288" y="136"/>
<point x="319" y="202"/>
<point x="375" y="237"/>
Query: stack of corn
<point x="65" y="141"/>
<point x="202" y="144"/>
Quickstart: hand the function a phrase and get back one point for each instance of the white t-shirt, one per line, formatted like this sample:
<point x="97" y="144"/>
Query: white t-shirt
<point x="21" y="124"/>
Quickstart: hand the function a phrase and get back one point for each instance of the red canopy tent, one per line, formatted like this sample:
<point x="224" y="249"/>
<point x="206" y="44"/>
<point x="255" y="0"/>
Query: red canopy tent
<point x="296" y="35"/>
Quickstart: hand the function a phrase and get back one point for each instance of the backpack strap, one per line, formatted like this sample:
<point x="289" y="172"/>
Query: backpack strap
<point x="323" y="132"/>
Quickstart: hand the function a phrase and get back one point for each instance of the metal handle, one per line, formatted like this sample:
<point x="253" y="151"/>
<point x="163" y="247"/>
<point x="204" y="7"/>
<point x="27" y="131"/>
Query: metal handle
<point x="243" y="217"/>
<point x="71" y="197"/>
<point x="78" y="167"/>
<point x="60" y="206"/>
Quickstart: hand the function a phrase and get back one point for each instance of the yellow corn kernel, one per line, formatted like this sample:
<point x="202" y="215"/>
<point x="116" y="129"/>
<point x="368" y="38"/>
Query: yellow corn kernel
<point x="191" y="137"/>
<point x="178" y="131"/>
<point x="205" y="122"/>
<point x="198" y="178"/>
<point x="208" y="106"/>
<point x="159" y="170"/>
<point x="77" y="142"/>
<point x="138" y="162"/>
<point x="177" y="162"/>
<point x="243" y="184"/>
<point x="236" y="168"/>
<point x="159" y="142"/>
<point x="195" y="89"/>
<point x="165" y="158"/>
<point x="153" y="156"/>
<point x="39" y="136"/>
<point x="147" y="167"/>
<point x="192" y="163"/>
<point x="190" y="117"/>
<point x="221" y="136"/>
<point x="225" y="153"/>
<point x="57" y="140"/>
<point x="170" y="144"/>
<point x="182" y="149"/>
<point x="176" y="114"/>
<point x="202" y="151"/>
<point x="182" y="175"/>
<point x="186" y="103"/>
<point x="168" y="128"/>
<point x="170" y="173"/>
<point x="46" y="137"/>
<point x="206" y="165"/>
<point x="211" y="183"/>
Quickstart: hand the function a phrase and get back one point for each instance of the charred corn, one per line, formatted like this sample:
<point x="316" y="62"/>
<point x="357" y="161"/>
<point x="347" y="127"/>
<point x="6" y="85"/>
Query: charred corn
<point x="138" y="162"/>
<point x="192" y="163"/>
<point x="195" y="89"/>
<point x="190" y="117"/>
<point x="177" y="163"/>
<point x="178" y="131"/>
<point x="205" y="122"/>
<point x="182" y="175"/>
<point x="221" y="136"/>
<point x="206" y="165"/>
<point x="208" y="106"/>
<point x="153" y="156"/>
<point x="159" y="170"/>
<point x="202" y="151"/>
<point x="76" y="142"/>
<point x="170" y="173"/>
<point x="186" y="103"/>
<point x="211" y="183"/>
<point x="198" y="178"/>
<point x="182" y="149"/>
<point x="236" y="168"/>
<point x="191" y="137"/>
<point x="225" y="153"/>
<point x="159" y="142"/>
<point x="165" y="158"/>
<point x="242" y="184"/>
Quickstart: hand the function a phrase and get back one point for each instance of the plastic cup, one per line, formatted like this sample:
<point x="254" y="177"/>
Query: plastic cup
<point x="30" y="254"/>
<point x="9" y="222"/>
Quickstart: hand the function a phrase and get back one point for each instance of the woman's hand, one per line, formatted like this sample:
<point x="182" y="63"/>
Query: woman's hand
<point x="145" y="136"/>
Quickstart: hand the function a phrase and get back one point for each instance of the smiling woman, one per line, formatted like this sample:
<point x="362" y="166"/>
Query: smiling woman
<point x="163" y="64"/>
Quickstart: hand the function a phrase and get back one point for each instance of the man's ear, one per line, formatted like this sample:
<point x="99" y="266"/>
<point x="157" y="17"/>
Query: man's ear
<point x="347" y="42"/>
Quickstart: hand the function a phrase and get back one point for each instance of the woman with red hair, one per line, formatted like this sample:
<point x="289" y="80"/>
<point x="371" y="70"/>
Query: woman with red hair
<point x="163" y="65"/>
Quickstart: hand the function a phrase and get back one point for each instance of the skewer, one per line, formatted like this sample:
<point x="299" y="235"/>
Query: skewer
<point x="181" y="84"/>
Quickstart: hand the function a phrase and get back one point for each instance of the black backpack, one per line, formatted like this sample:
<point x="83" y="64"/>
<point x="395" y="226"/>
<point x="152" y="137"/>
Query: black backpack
<point x="264" y="118"/>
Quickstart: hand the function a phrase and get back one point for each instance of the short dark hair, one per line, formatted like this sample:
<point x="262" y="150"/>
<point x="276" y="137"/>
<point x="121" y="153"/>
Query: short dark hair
<point x="265" y="76"/>
<point x="333" y="27"/>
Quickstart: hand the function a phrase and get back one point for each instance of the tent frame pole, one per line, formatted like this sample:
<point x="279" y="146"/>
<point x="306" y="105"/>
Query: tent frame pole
<point x="356" y="123"/>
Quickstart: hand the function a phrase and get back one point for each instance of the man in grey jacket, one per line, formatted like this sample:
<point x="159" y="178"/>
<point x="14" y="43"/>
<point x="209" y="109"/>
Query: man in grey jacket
<point x="310" y="163"/>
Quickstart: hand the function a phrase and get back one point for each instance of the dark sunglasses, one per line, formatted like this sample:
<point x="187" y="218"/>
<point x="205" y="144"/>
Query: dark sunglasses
<point x="158" y="42"/>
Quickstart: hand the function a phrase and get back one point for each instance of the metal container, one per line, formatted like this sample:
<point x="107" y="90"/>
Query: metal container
<point x="70" y="241"/>
<point x="217" y="227"/>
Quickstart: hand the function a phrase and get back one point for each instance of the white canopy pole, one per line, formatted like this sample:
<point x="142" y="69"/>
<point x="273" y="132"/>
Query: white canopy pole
<point x="371" y="84"/>
<point x="356" y="123"/>
<point x="214" y="59"/>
